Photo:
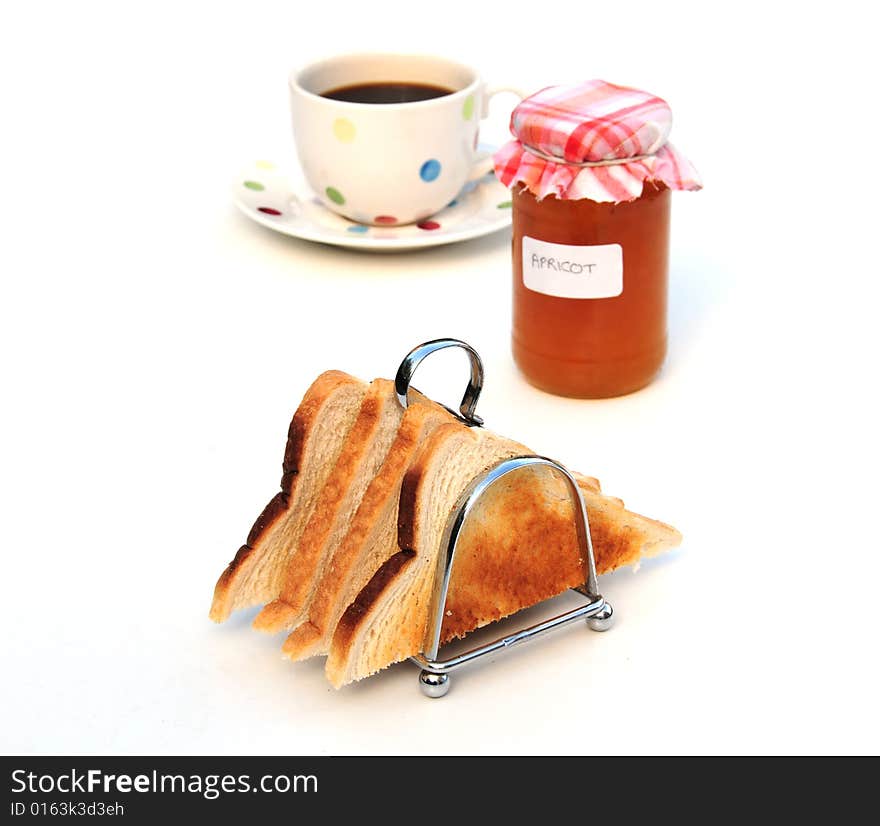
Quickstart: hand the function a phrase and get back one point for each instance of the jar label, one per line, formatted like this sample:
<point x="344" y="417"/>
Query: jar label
<point x="572" y="271"/>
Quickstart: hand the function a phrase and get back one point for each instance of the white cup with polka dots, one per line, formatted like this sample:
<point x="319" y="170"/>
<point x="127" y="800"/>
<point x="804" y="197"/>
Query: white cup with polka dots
<point x="388" y="163"/>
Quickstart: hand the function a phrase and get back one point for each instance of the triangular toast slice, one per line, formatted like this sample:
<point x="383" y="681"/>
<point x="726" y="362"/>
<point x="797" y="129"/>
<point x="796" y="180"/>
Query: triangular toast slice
<point x="362" y="454"/>
<point x="518" y="547"/>
<point x="388" y="618"/>
<point x="314" y="440"/>
<point x="371" y="538"/>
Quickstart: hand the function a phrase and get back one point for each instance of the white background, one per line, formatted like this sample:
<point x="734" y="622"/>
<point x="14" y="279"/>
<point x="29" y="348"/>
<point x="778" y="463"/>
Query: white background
<point x="155" y="344"/>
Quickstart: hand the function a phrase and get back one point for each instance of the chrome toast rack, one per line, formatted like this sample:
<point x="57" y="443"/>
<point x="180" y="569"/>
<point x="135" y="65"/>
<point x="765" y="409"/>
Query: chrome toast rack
<point x="434" y="678"/>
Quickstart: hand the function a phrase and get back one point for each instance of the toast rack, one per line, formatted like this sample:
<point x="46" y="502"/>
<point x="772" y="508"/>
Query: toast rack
<point x="434" y="678"/>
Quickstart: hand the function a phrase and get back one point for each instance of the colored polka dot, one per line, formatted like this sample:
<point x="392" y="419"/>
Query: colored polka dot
<point x="452" y="203"/>
<point x="385" y="219"/>
<point x="505" y="205"/>
<point x="467" y="110"/>
<point x="344" y="130"/>
<point x="430" y="170"/>
<point x="428" y="225"/>
<point x="359" y="228"/>
<point x="265" y="165"/>
<point x="334" y="195"/>
<point x="256" y="186"/>
<point x="269" y="210"/>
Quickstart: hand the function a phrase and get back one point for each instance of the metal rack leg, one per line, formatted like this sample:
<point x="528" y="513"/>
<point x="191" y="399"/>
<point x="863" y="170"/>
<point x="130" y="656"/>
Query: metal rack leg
<point x="603" y="620"/>
<point x="433" y="685"/>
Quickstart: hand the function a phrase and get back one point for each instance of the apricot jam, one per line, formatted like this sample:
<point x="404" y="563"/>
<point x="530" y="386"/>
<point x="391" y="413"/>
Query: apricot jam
<point x="612" y="339"/>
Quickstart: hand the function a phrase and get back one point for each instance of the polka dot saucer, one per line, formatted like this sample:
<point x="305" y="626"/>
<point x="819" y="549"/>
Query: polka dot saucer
<point x="269" y="196"/>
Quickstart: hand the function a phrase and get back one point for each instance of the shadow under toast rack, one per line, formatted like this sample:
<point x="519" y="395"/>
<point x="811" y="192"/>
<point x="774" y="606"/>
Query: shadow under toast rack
<point x="434" y="677"/>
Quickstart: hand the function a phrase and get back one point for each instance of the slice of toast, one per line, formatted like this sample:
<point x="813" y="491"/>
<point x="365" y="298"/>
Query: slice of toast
<point x="518" y="547"/>
<point x="362" y="454"/>
<point x="388" y="618"/>
<point x="371" y="538"/>
<point x="314" y="440"/>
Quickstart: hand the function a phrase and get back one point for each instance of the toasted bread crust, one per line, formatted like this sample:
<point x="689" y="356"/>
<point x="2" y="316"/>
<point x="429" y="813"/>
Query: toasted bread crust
<point x="370" y="539"/>
<point x="305" y="567"/>
<point x="397" y="618"/>
<point x="413" y="482"/>
<point x="359" y="610"/>
<point x="301" y="427"/>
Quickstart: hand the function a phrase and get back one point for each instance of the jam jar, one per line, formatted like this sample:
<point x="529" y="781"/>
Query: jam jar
<point x="591" y="174"/>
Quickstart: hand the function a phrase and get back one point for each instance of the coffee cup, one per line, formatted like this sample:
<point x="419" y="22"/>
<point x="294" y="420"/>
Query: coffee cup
<point x="388" y="139"/>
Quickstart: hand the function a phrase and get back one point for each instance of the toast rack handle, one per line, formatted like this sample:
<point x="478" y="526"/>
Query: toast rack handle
<point x="418" y="354"/>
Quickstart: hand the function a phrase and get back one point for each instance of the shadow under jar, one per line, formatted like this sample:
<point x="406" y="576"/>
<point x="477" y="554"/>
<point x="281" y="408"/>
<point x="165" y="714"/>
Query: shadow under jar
<point x="593" y="347"/>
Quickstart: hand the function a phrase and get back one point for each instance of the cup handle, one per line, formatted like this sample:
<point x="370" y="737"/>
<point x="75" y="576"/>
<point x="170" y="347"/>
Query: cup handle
<point x="483" y="163"/>
<point x="491" y="91"/>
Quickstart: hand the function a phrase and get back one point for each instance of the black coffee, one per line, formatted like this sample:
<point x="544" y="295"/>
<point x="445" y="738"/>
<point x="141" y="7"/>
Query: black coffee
<point x="387" y="92"/>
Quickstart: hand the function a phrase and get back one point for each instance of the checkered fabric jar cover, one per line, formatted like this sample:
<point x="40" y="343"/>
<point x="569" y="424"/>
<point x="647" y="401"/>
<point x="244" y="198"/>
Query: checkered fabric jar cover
<point x="592" y="140"/>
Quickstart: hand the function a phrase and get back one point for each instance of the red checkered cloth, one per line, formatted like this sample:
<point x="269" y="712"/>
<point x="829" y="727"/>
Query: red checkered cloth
<point x="592" y="122"/>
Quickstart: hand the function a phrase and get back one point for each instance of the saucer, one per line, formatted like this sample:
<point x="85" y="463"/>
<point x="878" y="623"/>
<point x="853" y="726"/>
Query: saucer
<point x="279" y="199"/>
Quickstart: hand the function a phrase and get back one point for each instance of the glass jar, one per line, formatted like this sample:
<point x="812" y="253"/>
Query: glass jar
<point x="589" y="300"/>
<point x="591" y="171"/>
